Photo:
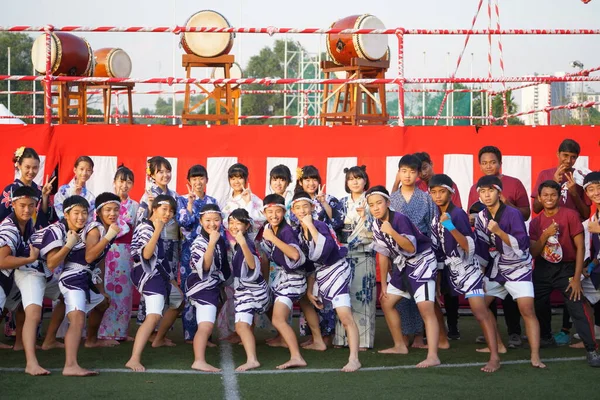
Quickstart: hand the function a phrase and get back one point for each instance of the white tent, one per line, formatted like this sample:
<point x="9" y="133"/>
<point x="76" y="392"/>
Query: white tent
<point x="5" y="113"/>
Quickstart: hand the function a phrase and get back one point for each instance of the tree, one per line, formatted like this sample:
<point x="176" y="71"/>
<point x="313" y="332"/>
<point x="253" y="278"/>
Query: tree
<point x="20" y="64"/>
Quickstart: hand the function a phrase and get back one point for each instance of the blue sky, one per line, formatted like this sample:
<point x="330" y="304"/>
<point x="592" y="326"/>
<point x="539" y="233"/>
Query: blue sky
<point x="156" y="54"/>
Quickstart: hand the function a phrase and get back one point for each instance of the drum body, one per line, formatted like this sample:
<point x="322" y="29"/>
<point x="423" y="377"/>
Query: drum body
<point x="344" y="47"/>
<point x="207" y="44"/>
<point x="70" y="55"/>
<point x="235" y="72"/>
<point x="112" y="63"/>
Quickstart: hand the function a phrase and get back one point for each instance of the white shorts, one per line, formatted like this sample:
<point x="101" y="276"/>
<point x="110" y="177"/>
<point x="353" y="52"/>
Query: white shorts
<point x="516" y="289"/>
<point x="34" y="288"/>
<point x="10" y="302"/>
<point x="343" y="300"/>
<point x="205" y="312"/>
<point x="75" y="299"/>
<point x="155" y="304"/>
<point x="285" y="300"/>
<point x="244" y="317"/>
<point x="425" y="292"/>
<point x="589" y="291"/>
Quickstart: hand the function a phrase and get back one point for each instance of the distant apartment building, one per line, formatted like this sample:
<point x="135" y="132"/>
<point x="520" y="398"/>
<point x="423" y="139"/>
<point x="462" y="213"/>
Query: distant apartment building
<point x="538" y="97"/>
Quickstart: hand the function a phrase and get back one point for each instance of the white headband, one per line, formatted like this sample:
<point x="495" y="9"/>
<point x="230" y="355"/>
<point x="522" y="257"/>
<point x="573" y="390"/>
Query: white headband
<point x="212" y="212"/>
<point x="584" y="186"/>
<point x="111" y="201"/>
<point x="162" y="203"/>
<point x="66" y="210"/>
<point x="12" y="200"/>
<point x="302" y="199"/>
<point x="379" y="193"/>
<point x="274" y="205"/>
<point x="450" y="189"/>
<point x="495" y="186"/>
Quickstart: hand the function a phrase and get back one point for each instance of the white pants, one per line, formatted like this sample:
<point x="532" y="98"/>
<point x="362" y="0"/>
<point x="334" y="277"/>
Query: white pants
<point x="205" y="312"/>
<point x="155" y="304"/>
<point x="75" y="300"/>
<point x="425" y="292"/>
<point x="516" y="289"/>
<point x="34" y="288"/>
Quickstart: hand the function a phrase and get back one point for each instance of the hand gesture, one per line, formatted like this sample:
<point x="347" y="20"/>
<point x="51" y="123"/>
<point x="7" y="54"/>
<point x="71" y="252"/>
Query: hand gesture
<point x="571" y="185"/>
<point x="191" y="195"/>
<point x="383" y="292"/>
<point x="386" y="227"/>
<point x="575" y="288"/>
<point x="594" y="227"/>
<point x="321" y="196"/>
<point x="213" y="237"/>
<point x="559" y="173"/>
<point x="34" y="253"/>
<point x="240" y="238"/>
<point x="113" y="231"/>
<point x="494" y="227"/>
<point x="314" y="300"/>
<point x="150" y="199"/>
<point x="551" y="230"/>
<point x="268" y="234"/>
<point x="158" y="225"/>
<point x="247" y="194"/>
<point x="307" y="220"/>
<point x="47" y="186"/>
<point x="444" y="217"/>
<point x="72" y="239"/>
<point x="360" y="209"/>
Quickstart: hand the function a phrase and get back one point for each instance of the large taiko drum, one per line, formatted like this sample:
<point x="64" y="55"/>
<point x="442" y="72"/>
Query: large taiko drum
<point x="207" y="44"/>
<point x="112" y="63"/>
<point x="70" y="55"/>
<point x="344" y="47"/>
<point x="235" y="72"/>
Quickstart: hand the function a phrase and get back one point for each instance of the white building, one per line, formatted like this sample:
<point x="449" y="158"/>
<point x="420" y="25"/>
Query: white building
<point x="577" y="98"/>
<point x="538" y="97"/>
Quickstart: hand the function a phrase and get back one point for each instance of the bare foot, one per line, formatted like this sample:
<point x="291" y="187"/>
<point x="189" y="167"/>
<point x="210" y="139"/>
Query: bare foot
<point x="277" y="342"/>
<point x="130" y="339"/>
<point x="135" y="366"/>
<point x="273" y="339"/>
<point x="352" y="366"/>
<point x="234" y="339"/>
<point x="204" y="366"/>
<point x="363" y="348"/>
<point x="100" y="343"/>
<point x="429" y="362"/>
<point x="210" y="344"/>
<point x="248" y="366"/>
<point x="501" y="350"/>
<point x="316" y="346"/>
<point x="579" y="345"/>
<point x="491" y="366"/>
<point x="153" y="336"/>
<point x="307" y="342"/>
<point x="18" y="347"/>
<point x="36" y="370"/>
<point x="5" y="346"/>
<point x="418" y="344"/>
<point x="395" y="350"/>
<point x="78" y="371"/>
<point x="293" y="363"/>
<point x="537" y="363"/>
<point x="53" y="345"/>
<point x="444" y="346"/>
<point x="163" y="343"/>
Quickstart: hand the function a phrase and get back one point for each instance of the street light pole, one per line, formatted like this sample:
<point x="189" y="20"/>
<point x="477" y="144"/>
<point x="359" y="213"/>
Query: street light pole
<point x="579" y="64"/>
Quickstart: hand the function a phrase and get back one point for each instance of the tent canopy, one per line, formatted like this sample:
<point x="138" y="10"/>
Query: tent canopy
<point x="5" y="113"/>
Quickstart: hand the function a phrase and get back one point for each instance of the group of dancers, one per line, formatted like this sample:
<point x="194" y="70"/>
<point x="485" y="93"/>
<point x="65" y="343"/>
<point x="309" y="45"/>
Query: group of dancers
<point x="244" y="263"/>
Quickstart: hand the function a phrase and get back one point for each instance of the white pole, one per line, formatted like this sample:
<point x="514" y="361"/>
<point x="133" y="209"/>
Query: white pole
<point x="8" y="53"/>
<point x="447" y="85"/>
<point x="33" y="73"/>
<point x="174" y="46"/>
<point x="285" y="68"/>
<point x="423" y="87"/>
<point x="471" y="95"/>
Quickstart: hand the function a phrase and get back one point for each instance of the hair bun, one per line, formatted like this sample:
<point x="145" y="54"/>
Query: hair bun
<point x="346" y="170"/>
<point x="363" y="167"/>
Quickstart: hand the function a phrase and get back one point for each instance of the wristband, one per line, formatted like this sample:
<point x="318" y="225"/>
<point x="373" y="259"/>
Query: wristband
<point x="110" y="235"/>
<point x="591" y="267"/>
<point x="69" y="247"/>
<point x="448" y="224"/>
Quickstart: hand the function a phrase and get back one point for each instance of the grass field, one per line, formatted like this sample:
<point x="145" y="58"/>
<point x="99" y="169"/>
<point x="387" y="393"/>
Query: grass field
<point x="384" y="377"/>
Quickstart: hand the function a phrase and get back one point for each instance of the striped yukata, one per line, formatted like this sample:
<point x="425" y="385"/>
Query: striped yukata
<point x="591" y="285"/>
<point x="460" y="268"/>
<point x="331" y="268"/>
<point x="252" y="293"/>
<point x="203" y="287"/>
<point x="504" y="264"/>
<point x="290" y="276"/>
<point x="414" y="273"/>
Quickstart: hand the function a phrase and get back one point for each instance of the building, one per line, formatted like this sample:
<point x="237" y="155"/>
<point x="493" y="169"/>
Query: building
<point x="577" y="98"/>
<point x="538" y="97"/>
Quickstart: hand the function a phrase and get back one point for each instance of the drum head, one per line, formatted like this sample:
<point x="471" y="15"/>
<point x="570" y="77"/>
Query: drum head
<point x="38" y="53"/>
<point x="207" y="44"/>
<point x="119" y="64"/>
<point x="219" y="73"/>
<point x="373" y="47"/>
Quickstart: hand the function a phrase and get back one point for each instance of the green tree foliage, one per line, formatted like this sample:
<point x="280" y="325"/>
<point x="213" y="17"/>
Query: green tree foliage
<point x="20" y="64"/>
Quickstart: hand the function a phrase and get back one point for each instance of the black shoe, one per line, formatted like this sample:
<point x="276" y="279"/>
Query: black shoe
<point x="593" y="359"/>
<point x="453" y="334"/>
<point x="547" y="342"/>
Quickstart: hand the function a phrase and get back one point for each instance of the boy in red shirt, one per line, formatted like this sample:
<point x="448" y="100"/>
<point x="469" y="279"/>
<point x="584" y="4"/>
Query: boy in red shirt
<point x="557" y="243"/>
